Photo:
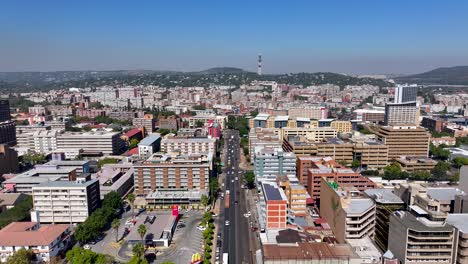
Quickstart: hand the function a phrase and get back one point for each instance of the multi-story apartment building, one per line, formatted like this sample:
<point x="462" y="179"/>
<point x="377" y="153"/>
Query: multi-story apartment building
<point x="163" y="171"/>
<point x="401" y="114"/>
<point x="37" y="110"/>
<point x="7" y="133"/>
<point x="8" y="160"/>
<point x="61" y="110"/>
<point x="433" y="123"/>
<point x="5" y="114"/>
<point x="216" y="119"/>
<point x="326" y="167"/>
<point x="417" y="240"/>
<point x="349" y="214"/>
<point x="263" y="137"/>
<point x="81" y="166"/>
<point x="189" y="145"/>
<point x="312" y="112"/>
<point x="386" y="204"/>
<point x="107" y="143"/>
<point x="270" y="163"/>
<point x="171" y="123"/>
<point x="404" y="141"/>
<point x="122" y="115"/>
<point x="65" y="201"/>
<point x="369" y="116"/>
<point x="311" y="133"/>
<point x="44" y="241"/>
<point x="90" y="113"/>
<point x="297" y="195"/>
<point x="44" y="141"/>
<point x="147" y="121"/>
<point x="460" y="222"/>
<point x="273" y="206"/>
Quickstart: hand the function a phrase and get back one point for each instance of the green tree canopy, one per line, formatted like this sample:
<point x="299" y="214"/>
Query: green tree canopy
<point x="249" y="178"/>
<point x="133" y="143"/>
<point x="138" y="250"/>
<point x="104" y="161"/>
<point x="78" y="255"/>
<point x="22" y="256"/>
<point x="459" y="161"/>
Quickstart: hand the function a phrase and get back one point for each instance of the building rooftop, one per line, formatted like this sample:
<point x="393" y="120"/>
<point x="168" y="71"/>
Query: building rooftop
<point x="68" y="162"/>
<point x="149" y="140"/>
<point x="308" y="251"/>
<point x="410" y="221"/>
<point x="132" y="132"/>
<point x="65" y="184"/>
<point x="359" y="206"/>
<point x="29" y="234"/>
<point x="272" y="192"/>
<point x="163" y="223"/>
<point x="460" y="221"/>
<point x="383" y="196"/>
<point x="262" y="117"/>
<point x="444" y="194"/>
<point x="366" y="249"/>
<point x="281" y="118"/>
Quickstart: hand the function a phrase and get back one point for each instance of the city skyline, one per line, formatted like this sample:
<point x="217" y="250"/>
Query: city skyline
<point x="342" y="37"/>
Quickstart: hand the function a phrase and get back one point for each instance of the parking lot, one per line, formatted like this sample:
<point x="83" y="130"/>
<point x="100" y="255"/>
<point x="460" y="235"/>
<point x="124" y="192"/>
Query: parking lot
<point x="187" y="240"/>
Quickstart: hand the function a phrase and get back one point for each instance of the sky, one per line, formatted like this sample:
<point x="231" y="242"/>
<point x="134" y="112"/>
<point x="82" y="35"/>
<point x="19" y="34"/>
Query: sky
<point x="358" y="37"/>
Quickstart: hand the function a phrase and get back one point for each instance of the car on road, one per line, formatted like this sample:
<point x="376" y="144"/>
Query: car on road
<point x="87" y="246"/>
<point x="218" y="236"/>
<point x="226" y="223"/>
<point x="247" y="215"/>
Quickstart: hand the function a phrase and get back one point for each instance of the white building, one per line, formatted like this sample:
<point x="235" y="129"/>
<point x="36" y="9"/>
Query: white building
<point x="188" y="146"/>
<point x="269" y="163"/>
<point x="109" y="143"/>
<point x="45" y="241"/>
<point x="65" y="201"/>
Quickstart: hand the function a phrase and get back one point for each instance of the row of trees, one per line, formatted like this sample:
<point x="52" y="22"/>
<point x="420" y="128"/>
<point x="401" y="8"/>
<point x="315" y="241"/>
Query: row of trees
<point x="208" y="236"/>
<point x="239" y="123"/>
<point x="438" y="173"/>
<point x="99" y="219"/>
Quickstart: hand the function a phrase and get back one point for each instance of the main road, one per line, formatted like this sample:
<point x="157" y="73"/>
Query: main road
<point x="235" y="233"/>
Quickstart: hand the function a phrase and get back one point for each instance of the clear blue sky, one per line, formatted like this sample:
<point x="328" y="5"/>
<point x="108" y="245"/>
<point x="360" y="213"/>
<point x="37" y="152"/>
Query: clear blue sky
<point x="341" y="36"/>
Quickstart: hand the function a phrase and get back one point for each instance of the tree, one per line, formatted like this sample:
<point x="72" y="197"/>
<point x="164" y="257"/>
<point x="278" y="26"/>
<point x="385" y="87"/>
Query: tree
<point x="137" y="260"/>
<point x="131" y="199"/>
<point x="420" y="175"/>
<point x="392" y="172"/>
<point x="440" y="170"/>
<point x="249" y="178"/>
<point x="34" y="158"/>
<point x="199" y="123"/>
<point x="133" y="143"/>
<point x="204" y="200"/>
<point x="78" y="255"/>
<point x="20" y="212"/>
<point x="138" y="250"/>
<point x="142" y="231"/>
<point x="22" y="256"/>
<point x="355" y="164"/>
<point x="115" y="225"/>
<point x="459" y="161"/>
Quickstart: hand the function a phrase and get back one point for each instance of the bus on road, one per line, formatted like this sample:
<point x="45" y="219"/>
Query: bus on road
<point x="225" y="258"/>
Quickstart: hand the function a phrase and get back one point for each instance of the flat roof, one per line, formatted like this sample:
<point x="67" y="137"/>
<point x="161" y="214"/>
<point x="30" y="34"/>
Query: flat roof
<point x="149" y="140"/>
<point x="460" y="221"/>
<point x="444" y="194"/>
<point x="308" y="251"/>
<point x="359" y="206"/>
<point x="408" y="220"/>
<point x="281" y="118"/>
<point x="273" y="192"/>
<point x="65" y="184"/>
<point x="383" y="196"/>
<point x="163" y="222"/>
<point x="68" y="162"/>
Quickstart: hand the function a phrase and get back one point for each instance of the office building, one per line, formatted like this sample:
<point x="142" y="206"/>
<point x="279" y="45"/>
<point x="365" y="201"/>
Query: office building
<point x="417" y="240"/>
<point x="204" y="119"/>
<point x="296" y="194"/>
<point x="341" y="126"/>
<point x="107" y="143"/>
<point x="412" y="164"/>
<point x="311" y="133"/>
<point x="90" y="113"/>
<point x="81" y="166"/>
<point x="66" y="201"/>
<point x="37" y="110"/>
<point x="7" y="133"/>
<point x="44" y="241"/>
<point x="433" y="123"/>
<point x="8" y="160"/>
<point x="172" y="172"/>
<point x="397" y="114"/>
<point x="369" y="116"/>
<point x="147" y="122"/>
<point x="188" y="146"/>
<point x="23" y="183"/>
<point x="263" y="137"/>
<point x="5" y="114"/>
<point x="270" y="163"/>
<point x="349" y="214"/>
<point x="312" y="112"/>
<point x="386" y="204"/>
<point x="272" y="206"/>
<point x="311" y="169"/>
<point x="171" y="123"/>
<point x="405" y="93"/>
<point x="149" y="145"/>
<point x="117" y="178"/>
<point x="460" y="222"/>
<point x="404" y="141"/>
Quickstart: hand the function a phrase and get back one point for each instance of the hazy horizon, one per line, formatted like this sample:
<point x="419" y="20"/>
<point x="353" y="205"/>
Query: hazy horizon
<point x="365" y="37"/>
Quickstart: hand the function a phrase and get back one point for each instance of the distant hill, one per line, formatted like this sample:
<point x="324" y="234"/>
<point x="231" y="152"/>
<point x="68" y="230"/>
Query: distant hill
<point x="457" y="75"/>
<point x="222" y="70"/>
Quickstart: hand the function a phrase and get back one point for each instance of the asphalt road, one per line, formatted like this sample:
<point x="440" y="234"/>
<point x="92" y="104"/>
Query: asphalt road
<point x="235" y="236"/>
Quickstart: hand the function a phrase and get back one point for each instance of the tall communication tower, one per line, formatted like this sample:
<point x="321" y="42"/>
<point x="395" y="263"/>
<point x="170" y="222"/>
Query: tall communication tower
<point x="259" y="64"/>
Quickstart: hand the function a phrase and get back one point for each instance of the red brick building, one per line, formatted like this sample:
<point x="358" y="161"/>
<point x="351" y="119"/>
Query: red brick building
<point x="273" y="206"/>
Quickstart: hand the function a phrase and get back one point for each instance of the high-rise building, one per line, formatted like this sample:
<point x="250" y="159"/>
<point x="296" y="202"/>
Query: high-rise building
<point x="415" y="239"/>
<point x="4" y="110"/>
<point x="270" y="163"/>
<point x="386" y="204"/>
<point x="401" y="114"/>
<point x="405" y="93"/>
<point x="107" y="143"/>
<point x="66" y="201"/>
<point x="404" y="141"/>
<point x="147" y="121"/>
<point x="349" y="214"/>
<point x="8" y="160"/>
<point x="7" y="133"/>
